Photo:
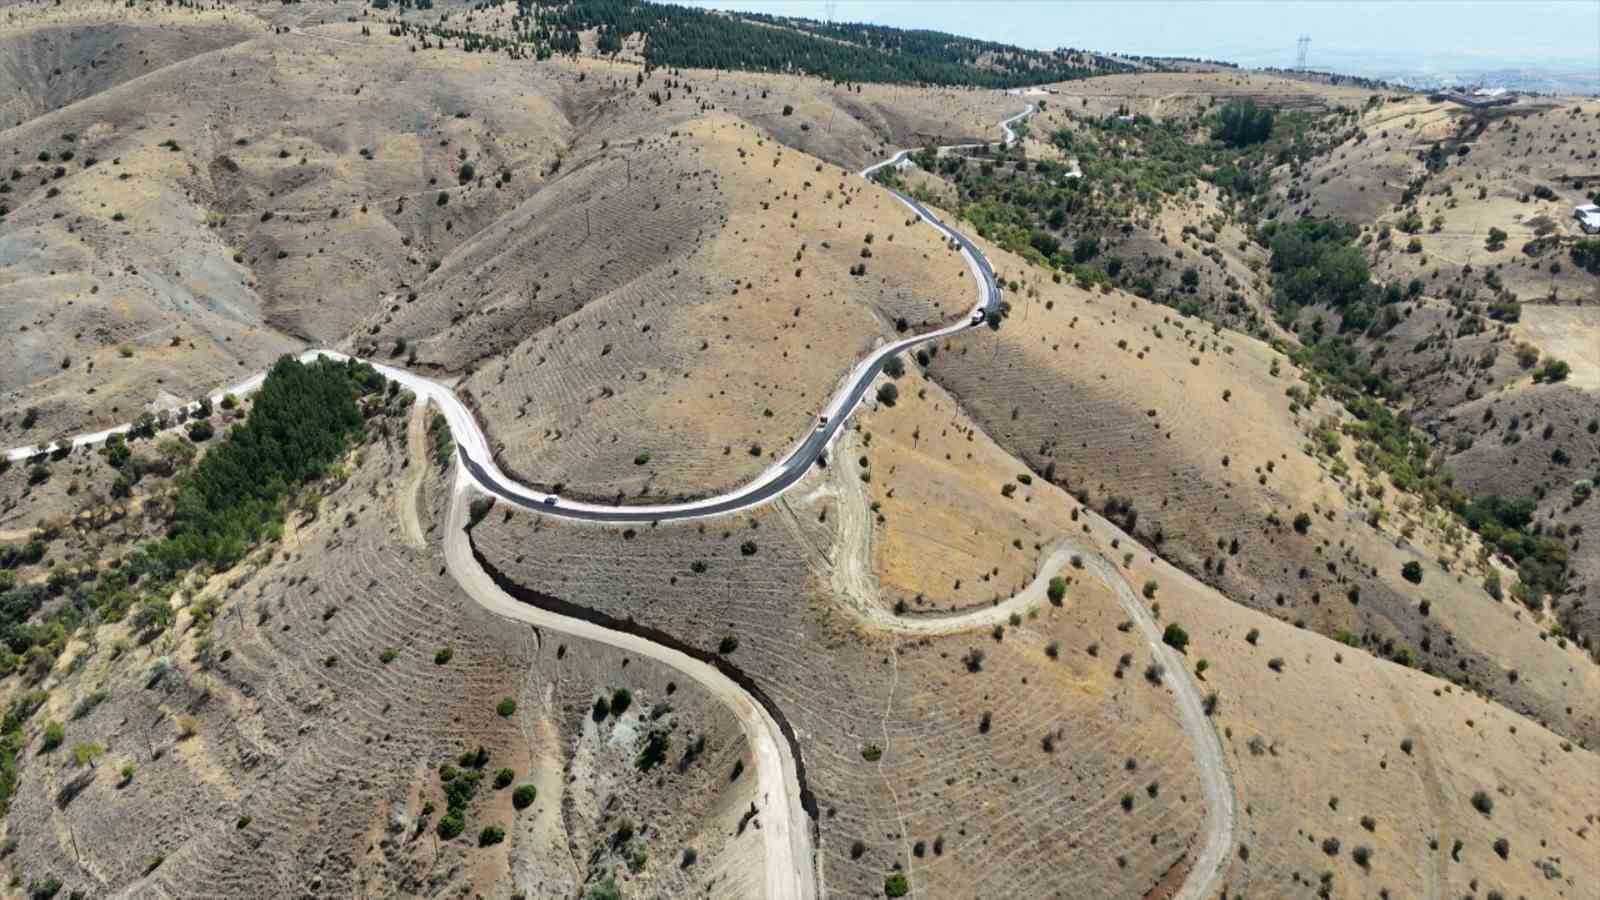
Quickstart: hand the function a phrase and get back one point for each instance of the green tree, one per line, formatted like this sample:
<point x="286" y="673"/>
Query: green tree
<point x="1085" y="248"/>
<point x="524" y="795"/>
<point x="1242" y="123"/>
<point x="86" y="753"/>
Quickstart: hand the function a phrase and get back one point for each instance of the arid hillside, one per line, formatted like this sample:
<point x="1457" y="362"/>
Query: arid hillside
<point x="1211" y="448"/>
<point x="257" y="210"/>
<point x="72" y="53"/>
<point x="187" y="250"/>
<point x="299" y="726"/>
<point x="1185" y="577"/>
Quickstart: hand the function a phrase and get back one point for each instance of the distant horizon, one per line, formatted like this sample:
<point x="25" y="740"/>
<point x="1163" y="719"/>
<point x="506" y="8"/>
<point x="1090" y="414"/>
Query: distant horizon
<point x="1417" y="37"/>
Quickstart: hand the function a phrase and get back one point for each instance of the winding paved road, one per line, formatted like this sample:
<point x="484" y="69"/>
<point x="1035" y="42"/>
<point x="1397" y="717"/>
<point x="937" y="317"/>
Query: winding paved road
<point x="788" y="833"/>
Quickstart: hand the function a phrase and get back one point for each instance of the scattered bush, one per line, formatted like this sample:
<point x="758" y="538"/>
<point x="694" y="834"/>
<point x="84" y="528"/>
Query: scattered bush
<point x="524" y="795"/>
<point x="85" y="753"/>
<point x="450" y="826"/>
<point x="1175" y="637"/>
<point x="1554" y="370"/>
<point x="1483" y="803"/>
<point x="1412" y="572"/>
<point x="621" y="699"/>
<point x="506" y="707"/>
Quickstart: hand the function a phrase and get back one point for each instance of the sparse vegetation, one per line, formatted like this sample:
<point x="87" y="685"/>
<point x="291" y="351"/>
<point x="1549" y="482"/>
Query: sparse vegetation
<point x="1057" y="590"/>
<point x="524" y="795"/>
<point x="1412" y="572"/>
<point x="1483" y="803"/>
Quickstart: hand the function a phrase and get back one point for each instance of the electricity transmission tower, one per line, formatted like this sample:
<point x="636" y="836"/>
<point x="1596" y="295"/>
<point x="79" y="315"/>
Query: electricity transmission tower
<point x="1302" y="44"/>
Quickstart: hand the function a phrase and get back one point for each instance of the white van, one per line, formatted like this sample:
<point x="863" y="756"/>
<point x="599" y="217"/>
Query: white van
<point x="1588" y="218"/>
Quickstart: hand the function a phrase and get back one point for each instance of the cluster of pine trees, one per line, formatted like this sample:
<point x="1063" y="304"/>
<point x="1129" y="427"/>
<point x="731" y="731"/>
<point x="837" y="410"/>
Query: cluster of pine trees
<point x="302" y="420"/>
<point x="683" y="37"/>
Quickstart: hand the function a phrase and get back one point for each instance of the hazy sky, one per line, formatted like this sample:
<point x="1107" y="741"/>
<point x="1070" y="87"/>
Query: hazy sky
<point x="1423" y="34"/>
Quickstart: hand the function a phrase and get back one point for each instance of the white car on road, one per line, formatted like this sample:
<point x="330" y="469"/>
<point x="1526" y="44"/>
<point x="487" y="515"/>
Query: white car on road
<point x="1588" y="218"/>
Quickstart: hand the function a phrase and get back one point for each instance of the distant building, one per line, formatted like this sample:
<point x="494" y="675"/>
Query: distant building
<point x="1476" y="97"/>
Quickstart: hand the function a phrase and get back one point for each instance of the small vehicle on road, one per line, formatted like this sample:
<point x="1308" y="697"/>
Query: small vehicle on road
<point x="979" y="315"/>
<point x="1588" y="217"/>
<point x="551" y="500"/>
<point x="822" y="423"/>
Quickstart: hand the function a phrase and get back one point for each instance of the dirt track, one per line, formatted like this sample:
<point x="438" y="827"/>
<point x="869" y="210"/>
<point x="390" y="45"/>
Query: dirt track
<point x="790" y="868"/>
<point x="853" y="580"/>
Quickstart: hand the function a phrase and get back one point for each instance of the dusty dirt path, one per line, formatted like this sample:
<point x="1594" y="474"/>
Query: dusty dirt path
<point x="1215" y="782"/>
<point x="786" y="829"/>
<point x="852" y="579"/>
